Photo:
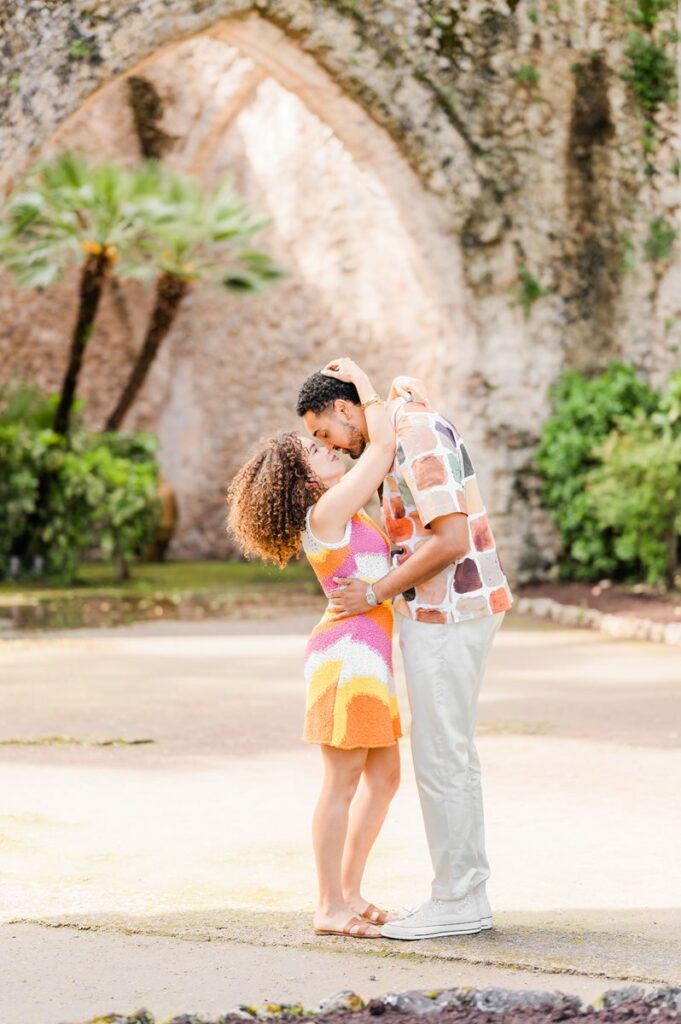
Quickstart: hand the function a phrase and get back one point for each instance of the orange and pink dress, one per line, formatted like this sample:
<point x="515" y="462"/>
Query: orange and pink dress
<point x="351" y="700"/>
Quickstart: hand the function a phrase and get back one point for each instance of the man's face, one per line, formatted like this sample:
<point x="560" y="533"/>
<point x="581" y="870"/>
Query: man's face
<point x="341" y="428"/>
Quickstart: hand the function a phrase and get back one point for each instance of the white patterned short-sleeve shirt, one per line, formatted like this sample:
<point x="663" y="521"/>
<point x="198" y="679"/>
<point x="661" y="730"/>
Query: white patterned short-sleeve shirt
<point x="432" y="476"/>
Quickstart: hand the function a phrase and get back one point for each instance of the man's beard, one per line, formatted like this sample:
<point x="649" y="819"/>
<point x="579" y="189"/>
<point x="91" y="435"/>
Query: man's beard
<point x="357" y="443"/>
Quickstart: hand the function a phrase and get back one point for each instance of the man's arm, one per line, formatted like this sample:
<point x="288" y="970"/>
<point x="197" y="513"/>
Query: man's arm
<point x="448" y="543"/>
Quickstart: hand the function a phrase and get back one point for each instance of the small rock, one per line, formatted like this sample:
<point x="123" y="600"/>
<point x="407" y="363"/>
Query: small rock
<point x="190" y="1018"/>
<point x="344" y="1000"/>
<point x="498" y="1000"/>
<point x="411" y="1002"/>
<point x="672" y="633"/>
<point x="616" y="996"/>
<point x="452" y="997"/>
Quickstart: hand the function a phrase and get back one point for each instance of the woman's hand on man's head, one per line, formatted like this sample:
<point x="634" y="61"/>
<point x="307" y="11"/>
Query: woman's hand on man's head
<point x="344" y="369"/>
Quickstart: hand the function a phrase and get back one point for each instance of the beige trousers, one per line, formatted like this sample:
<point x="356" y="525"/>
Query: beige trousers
<point x="444" y="666"/>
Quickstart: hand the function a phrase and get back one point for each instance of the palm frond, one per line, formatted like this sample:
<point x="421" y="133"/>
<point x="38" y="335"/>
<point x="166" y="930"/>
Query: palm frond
<point x="153" y="219"/>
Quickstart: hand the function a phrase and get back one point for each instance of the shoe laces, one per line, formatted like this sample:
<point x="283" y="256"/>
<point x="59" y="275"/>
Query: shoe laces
<point x="407" y="912"/>
<point x="463" y="901"/>
<point x="431" y="903"/>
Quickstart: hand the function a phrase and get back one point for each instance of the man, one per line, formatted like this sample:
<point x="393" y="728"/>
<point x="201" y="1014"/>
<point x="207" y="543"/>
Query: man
<point x="452" y="594"/>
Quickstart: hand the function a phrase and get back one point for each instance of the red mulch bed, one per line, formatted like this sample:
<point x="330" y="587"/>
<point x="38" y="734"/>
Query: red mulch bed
<point x="621" y="1007"/>
<point x="630" y="1005"/>
<point x="639" y="602"/>
<point x="633" y="1013"/>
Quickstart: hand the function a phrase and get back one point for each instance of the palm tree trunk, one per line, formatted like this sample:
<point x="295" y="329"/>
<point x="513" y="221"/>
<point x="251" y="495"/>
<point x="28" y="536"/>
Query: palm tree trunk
<point x="92" y="280"/>
<point x="122" y="567"/>
<point x="170" y="291"/>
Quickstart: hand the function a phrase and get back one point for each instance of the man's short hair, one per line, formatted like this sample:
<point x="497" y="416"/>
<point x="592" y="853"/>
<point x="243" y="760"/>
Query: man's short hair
<point x="319" y="392"/>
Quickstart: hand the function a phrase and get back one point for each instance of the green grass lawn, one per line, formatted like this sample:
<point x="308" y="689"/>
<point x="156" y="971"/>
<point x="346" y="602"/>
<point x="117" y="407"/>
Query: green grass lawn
<point x="98" y="578"/>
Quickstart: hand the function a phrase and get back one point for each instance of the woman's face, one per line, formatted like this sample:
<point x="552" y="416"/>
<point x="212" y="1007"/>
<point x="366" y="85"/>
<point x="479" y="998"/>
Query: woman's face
<point x="324" y="463"/>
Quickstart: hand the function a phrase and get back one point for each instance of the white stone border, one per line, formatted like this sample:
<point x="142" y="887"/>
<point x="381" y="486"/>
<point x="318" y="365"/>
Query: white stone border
<point x="623" y="627"/>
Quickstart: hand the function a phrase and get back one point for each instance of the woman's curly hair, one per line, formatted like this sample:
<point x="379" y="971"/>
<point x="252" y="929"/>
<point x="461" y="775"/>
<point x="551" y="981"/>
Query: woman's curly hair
<point x="269" y="497"/>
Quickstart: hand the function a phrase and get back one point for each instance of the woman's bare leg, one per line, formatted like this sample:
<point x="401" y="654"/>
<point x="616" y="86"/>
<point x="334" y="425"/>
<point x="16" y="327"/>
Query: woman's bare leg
<point x="342" y="772"/>
<point x="380" y="781"/>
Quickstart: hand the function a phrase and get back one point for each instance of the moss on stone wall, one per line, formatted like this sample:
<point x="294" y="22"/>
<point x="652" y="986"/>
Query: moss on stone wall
<point x="147" y="112"/>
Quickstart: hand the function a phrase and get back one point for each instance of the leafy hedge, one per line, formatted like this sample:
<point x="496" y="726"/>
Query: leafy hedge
<point x="64" y="500"/>
<point x="610" y="458"/>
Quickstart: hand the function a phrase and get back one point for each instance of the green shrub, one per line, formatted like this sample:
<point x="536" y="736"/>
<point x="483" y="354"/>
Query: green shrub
<point x="646" y="12"/>
<point x="636" y="494"/>
<point x="23" y="404"/>
<point x="584" y="413"/>
<point x="63" y="500"/>
<point x="20" y="460"/>
<point x="62" y="528"/>
<point x="126" y="509"/>
<point x="670" y="403"/>
<point x="139" y="447"/>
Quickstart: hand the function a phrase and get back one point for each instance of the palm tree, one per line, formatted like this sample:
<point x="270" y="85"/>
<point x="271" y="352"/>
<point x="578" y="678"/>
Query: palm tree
<point x="68" y="212"/>
<point x="195" y="236"/>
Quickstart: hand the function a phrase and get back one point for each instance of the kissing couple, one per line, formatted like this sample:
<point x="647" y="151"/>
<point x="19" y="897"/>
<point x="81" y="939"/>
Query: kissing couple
<point x="435" y="563"/>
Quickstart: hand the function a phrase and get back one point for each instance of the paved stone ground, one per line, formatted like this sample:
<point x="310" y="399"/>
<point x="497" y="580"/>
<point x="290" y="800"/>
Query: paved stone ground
<point x="178" y="874"/>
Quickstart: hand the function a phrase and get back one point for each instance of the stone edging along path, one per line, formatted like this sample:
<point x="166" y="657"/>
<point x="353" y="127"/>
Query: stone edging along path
<point x="624" y="627"/>
<point x="632" y="1005"/>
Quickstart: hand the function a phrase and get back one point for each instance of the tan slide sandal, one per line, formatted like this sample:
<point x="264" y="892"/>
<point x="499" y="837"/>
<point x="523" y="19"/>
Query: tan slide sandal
<point x="375" y="914"/>
<point x="356" y="928"/>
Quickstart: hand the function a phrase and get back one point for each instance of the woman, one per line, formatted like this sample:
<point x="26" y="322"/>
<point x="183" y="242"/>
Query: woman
<point x="295" y="494"/>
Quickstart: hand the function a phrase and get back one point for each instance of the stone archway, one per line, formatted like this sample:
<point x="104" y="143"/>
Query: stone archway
<point x="66" y="56"/>
<point x="520" y="169"/>
<point x="372" y="267"/>
<point x="271" y="54"/>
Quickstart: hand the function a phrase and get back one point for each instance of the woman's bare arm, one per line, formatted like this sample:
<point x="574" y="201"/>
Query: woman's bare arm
<point x="340" y="503"/>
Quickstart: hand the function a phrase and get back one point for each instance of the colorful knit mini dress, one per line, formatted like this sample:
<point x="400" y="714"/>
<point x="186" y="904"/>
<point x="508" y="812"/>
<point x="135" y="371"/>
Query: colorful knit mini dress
<point x="351" y="700"/>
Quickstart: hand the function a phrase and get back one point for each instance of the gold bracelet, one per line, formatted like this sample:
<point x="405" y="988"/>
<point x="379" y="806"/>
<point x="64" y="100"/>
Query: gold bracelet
<point x="370" y="401"/>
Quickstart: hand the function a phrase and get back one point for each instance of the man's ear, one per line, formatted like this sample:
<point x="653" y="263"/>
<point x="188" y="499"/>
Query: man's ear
<point x="343" y="409"/>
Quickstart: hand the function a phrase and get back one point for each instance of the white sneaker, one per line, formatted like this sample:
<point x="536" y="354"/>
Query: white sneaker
<point x="484" y="909"/>
<point x="435" y="918"/>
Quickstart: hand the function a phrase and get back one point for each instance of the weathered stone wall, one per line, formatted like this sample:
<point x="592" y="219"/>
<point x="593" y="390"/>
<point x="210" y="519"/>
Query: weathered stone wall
<point x="526" y="140"/>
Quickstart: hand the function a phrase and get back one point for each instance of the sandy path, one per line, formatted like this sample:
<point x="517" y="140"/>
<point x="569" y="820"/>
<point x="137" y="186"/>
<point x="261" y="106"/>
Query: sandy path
<point x="203" y="834"/>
